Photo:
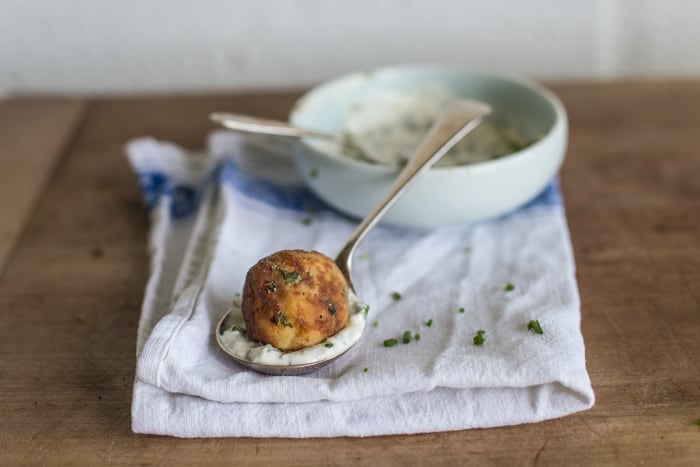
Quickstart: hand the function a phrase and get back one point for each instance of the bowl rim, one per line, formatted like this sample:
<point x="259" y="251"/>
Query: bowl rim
<point x="560" y="121"/>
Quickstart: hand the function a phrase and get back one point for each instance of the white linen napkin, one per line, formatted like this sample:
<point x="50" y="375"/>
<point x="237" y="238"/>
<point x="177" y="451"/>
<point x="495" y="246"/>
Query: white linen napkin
<point x="213" y="216"/>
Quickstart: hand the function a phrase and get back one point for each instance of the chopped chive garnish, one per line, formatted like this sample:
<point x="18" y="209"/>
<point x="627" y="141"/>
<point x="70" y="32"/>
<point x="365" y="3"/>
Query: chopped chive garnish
<point x="479" y="339"/>
<point x="535" y="326"/>
<point x="281" y="319"/>
<point x="461" y="310"/>
<point x="365" y="369"/>
<point x="290" y="278"/>
<point x="416" y="337"/>
<point x="407" y="337"/>
<point x="313" y="173"/>
<point x="328" y="344"/>
<point x="375" y="324"/>
<point x="429" y="323"/>
<point x="307" y="220"/>
<point x="467" y="249"/>
<point x="396" y="295"/>
<point x="509" y="287"/>
<point x="390" y="342"/>
<point x="363" y="257"/>
<point x="365" y="309"/>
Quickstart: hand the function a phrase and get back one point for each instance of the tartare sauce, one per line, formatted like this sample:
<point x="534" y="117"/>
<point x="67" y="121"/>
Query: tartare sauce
<point x="391" y="125"/>
<point x="237" y="343"/>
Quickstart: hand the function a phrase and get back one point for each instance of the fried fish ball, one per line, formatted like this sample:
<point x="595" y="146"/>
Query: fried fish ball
<point x="294" y="299"/>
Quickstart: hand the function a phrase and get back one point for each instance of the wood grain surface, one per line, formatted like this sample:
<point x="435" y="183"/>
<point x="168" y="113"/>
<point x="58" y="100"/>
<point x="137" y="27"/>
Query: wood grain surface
<point x="27" y="158"/>
<point x="71" y="291"/>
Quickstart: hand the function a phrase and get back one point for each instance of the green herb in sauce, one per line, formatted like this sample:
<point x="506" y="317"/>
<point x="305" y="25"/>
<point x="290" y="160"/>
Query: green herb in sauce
<point x="307" y="220"/>
<point x="328" y="344"/>
<point x="375" y="324"/>
<point x="390" y="342"/>
<point x="365" y="370"/>
<point x="396" y="295"/>
<point x="461" y="310"/>
<point x="509" y="287"/>
<point x="416" y="337"/>
<point x="406" y="337"/>
<point x="313" y="173"/>
<point x="429" y="323"/>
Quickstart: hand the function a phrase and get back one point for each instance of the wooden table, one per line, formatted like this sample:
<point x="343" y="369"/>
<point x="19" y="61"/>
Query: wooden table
<point x="73" y="245"/>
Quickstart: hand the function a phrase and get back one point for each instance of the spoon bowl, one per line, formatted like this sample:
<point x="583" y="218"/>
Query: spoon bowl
<point x="456" y="121"/>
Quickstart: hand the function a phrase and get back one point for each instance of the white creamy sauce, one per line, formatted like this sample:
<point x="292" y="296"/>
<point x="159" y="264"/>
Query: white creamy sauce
<point x="391" y="125"/>
<point x="238" y="344"/>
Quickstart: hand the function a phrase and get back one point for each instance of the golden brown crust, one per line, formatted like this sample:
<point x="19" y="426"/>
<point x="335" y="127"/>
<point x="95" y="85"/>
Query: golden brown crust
<point x="294" y="299"/>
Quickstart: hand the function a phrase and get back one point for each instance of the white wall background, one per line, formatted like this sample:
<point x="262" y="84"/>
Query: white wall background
<point x="113" y="46"/>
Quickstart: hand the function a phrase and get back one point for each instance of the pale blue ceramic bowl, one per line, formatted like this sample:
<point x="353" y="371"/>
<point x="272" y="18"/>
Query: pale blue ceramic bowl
<point x="445" y="195"/>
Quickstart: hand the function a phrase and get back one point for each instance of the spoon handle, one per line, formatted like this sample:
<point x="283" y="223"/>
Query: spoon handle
<point x="267" y="126"/>
<point x="455" y="122"/>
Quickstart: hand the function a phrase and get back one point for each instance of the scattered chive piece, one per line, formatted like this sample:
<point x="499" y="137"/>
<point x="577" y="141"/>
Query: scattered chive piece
<point x="363" y="257"/>
<point x="365" y="369"/>
<point x="429" y="323"/>
<point x="461" y="310"/>
<point x="467" y="249"/>
<point x="407" y="337"/>
<point x="396" y="295"/>
<point x="375" y="324"/>
<point x="328" y="344"/>
<point x="509" y="287"/>
<point x="313" y="173"/>
<point x="390" y="342"/>
<point x="535" y="326"/>
<point x="479" y="339"/>
<point x="307" y="221"/>
<point x="365" y="309"/>
<point x="416" y="337"/>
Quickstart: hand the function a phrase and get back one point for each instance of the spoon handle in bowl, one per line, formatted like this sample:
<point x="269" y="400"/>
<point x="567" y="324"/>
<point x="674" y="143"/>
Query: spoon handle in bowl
<point x="267" y="126"/>
<point x="455" y="122"/>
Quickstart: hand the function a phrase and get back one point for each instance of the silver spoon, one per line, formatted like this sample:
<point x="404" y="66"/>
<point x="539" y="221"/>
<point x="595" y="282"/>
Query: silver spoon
<point x="458" y="119"/>
<point x="250" y="124"/>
